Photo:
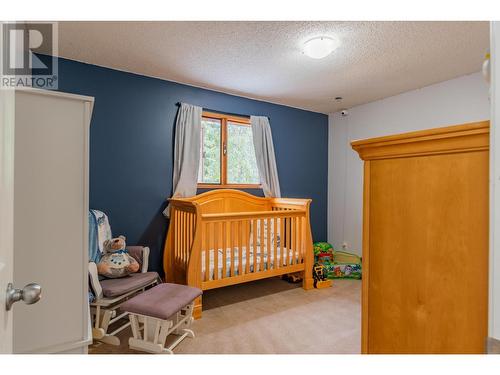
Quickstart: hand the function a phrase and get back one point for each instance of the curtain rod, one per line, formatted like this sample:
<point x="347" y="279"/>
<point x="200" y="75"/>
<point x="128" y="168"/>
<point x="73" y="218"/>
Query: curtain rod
<point x="218" y="111"/>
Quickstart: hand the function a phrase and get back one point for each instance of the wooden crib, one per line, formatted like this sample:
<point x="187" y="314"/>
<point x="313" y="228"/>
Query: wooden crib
<point x="226" y="237"/>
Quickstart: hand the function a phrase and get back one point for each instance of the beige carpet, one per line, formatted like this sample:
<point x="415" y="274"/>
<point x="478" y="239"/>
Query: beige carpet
<point x="271" y="316"/>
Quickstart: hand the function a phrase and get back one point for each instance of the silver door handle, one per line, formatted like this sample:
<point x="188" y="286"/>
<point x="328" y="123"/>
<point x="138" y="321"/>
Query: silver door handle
<point x="30" y="294"/>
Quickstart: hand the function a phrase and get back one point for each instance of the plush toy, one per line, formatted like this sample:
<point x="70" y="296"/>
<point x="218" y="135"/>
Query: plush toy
<point x="116" y="261"/>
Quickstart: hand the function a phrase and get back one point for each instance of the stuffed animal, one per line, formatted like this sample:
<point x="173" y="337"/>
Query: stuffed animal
<point x="116" y="261"/>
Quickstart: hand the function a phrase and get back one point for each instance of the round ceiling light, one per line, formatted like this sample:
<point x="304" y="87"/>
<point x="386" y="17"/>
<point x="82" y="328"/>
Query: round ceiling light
<point x="320" y="47"/>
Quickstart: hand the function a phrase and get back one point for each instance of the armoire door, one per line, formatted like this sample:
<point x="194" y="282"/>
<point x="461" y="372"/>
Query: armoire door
<point x="426" y="223"/>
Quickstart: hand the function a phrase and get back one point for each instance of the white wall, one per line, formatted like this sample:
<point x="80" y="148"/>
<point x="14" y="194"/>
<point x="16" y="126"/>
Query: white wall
<point x="457" y="101"/>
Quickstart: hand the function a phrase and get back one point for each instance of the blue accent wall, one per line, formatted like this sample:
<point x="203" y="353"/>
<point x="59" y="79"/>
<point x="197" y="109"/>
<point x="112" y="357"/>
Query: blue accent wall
<point x="131" y="148"/>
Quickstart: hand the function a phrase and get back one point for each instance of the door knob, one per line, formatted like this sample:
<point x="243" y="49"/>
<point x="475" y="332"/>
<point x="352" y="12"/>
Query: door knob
<point x="30" y="294"/>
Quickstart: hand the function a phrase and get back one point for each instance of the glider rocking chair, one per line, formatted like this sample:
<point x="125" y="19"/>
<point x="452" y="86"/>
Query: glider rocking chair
<point x="107" y="295"/>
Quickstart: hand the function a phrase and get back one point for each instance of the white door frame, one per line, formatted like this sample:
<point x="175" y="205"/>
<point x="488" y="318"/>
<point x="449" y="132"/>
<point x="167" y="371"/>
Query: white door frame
<point x="7" y="126"/>
<point x="494" y="258"/>
<point x="7" y="120"/>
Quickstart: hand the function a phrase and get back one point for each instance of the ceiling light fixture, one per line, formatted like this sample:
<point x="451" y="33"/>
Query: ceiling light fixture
<point x="320" y="47"/>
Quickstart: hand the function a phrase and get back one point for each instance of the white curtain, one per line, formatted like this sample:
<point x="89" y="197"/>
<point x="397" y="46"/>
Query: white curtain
<point x="186" y="151"/>
<point x="264" y="153"/>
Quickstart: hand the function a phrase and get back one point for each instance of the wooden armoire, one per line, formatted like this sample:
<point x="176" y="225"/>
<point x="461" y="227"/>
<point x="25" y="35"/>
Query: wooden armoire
<point x="425" y="241"/>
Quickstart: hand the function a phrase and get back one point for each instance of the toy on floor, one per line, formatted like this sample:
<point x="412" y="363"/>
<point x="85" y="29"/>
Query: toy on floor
<point x="319" y="276"/>
<point x="116" y="261"/>
<point x="293" y="278"/>
<point x="323" y="252"/>
<point x="337" y="264"/>
<point x="345" y="266"/>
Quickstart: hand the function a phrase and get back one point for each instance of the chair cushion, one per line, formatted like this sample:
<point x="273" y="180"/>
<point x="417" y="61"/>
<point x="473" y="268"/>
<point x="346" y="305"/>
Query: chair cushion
<point x="162" y="301"/>
<point x="117" y="287"/>
<point x="136" y="252"/>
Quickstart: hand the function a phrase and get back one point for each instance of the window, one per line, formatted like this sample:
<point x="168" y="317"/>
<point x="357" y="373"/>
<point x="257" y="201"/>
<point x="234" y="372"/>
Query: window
<point x="227" y="153"/>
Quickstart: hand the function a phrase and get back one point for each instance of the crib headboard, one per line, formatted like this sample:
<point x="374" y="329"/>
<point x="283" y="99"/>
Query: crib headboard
<point x="229" y="200"/>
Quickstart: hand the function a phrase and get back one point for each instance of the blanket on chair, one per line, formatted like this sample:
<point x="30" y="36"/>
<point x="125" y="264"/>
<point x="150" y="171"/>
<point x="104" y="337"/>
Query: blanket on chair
<point x="99" y="231"/>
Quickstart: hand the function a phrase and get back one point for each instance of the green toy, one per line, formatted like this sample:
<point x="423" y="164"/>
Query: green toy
<point x="337" y="264"/>
<point x="322" y="247"/>
<point x="323" y="252"/>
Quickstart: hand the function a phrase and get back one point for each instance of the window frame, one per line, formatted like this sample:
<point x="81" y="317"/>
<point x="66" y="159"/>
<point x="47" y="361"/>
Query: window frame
<point x="224" y="119"/>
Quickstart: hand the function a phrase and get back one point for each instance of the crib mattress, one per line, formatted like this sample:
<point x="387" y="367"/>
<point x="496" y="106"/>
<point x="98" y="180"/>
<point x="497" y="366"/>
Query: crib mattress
<point x="252" y="253"/>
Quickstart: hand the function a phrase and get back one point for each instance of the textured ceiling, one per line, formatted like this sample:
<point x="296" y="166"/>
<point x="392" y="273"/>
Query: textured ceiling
<point x="263" y="60"/>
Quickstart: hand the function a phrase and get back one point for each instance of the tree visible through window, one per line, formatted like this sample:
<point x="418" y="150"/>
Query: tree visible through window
<point x="210" y="151"/>
<point x="227" y="152"/>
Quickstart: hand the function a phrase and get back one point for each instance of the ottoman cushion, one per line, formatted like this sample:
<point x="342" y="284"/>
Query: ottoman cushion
<point x="162" y="301"/>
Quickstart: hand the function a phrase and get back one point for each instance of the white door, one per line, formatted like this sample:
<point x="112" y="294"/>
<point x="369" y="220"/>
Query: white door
<point x="45" y="188"/>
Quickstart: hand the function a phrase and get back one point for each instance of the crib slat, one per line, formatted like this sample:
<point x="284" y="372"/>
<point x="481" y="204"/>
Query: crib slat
<point x="262" y="244"/>
<point x="296" y="250"/>
<point x="183" y="250"/>
<point x="174" y="225"/>
<point x="268" y="244"/>
<point x="246" y="236"/>
<point x="213" y="250"/>
<point x="275" y="245"/>
<point x="254" y="244"/>
<point x="206" y="247"/>
<point x="294" y="242"/>
<point x="190" y="236"/>
<point x="216" y="251"/>
<point x="181" y="233"/>
<point x="178" y="235"/>
<point x="286" y="245"/>
<point x="231" y="245"/>
<point x="184" y="235"/>
<point x="211" y="246"/>
<point x="193" y="227"/>
<point x="289" y="239"/>
<point x="282" y="242"/>
<point x="303" y="237"/>
<point x="176" y="232"/>
<point x="224" y="249"/>
<point x="239" y="243"/>
<point x="290" y="248"/>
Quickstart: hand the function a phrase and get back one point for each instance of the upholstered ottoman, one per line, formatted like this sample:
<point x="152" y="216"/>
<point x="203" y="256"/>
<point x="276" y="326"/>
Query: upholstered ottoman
<point x="162" y="310"/>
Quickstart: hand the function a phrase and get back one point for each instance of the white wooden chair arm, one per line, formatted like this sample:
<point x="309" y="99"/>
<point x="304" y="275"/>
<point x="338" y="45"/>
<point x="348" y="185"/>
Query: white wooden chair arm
<point x="94" y="280"/>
